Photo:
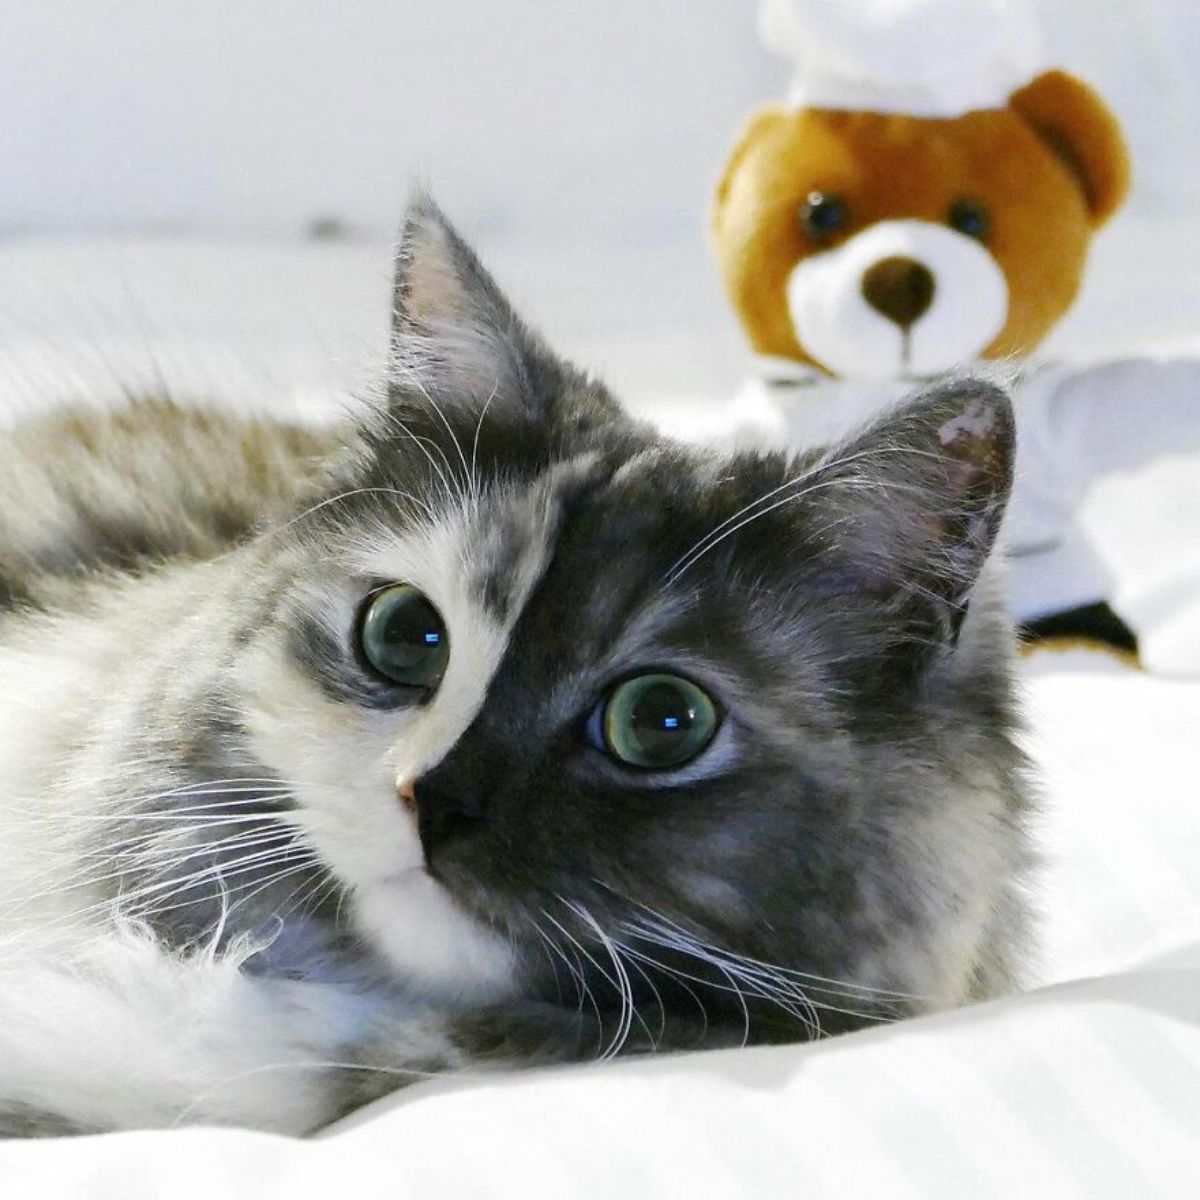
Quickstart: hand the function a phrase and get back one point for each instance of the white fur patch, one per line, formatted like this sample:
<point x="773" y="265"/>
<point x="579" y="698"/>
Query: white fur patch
<point x="838" y="327"/>
<point x="347" y="763"/>
<point x="114" y="1031"/>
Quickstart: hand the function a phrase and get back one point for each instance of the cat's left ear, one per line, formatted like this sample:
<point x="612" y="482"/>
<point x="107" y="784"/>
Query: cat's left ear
<point x="454" y="337"/>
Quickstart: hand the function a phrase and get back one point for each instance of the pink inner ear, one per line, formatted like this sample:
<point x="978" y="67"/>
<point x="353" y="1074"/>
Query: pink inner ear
<point x="432" y="289"/>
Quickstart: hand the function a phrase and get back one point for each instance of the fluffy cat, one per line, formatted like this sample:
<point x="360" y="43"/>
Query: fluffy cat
<point x="492" y="728"/>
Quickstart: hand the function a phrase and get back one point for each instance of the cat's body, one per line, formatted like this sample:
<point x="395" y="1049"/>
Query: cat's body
<point x="248" y="878"/>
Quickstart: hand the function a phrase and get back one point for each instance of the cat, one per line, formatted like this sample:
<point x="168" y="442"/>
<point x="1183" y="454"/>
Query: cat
<point x="489" y="727"/>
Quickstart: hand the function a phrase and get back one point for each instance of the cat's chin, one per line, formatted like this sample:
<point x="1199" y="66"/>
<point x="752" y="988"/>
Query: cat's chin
<point x="434" y="944"/>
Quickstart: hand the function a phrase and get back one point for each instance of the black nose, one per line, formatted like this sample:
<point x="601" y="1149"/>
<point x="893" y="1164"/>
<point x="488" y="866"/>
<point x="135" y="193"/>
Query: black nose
<point x="900" y="288"/>
<point x="444" y="814"/>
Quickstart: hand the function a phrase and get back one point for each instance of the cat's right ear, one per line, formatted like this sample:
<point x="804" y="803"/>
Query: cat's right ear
<point x="455" y="339"/>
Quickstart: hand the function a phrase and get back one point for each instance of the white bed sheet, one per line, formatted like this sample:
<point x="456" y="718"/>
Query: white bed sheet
<point x="1088" y="1085"/>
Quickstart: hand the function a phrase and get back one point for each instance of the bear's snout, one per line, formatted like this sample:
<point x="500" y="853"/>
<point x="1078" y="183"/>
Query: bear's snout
<point x="899" y="299"/>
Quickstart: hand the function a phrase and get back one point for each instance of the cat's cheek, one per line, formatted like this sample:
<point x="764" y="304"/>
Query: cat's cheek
<point x="432" y="942"/>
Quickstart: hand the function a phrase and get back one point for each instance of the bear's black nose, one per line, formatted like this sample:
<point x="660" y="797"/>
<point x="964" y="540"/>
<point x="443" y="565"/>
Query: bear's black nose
<point x="900" y="288"/>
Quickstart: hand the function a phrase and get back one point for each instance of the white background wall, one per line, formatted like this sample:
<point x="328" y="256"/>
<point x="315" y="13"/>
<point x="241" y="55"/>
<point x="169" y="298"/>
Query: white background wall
<point x="572" y="118"/>
<point x="270" y="114"/>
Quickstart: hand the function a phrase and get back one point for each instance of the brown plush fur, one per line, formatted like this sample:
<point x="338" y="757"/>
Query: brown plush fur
<point x="1049" y="168"/>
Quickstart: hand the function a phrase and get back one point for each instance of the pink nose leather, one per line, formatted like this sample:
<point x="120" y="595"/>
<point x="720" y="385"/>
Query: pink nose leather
<point x="408" y="796"/>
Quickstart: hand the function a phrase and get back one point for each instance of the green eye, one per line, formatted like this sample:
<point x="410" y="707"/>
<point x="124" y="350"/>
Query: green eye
<point x="403" y="637"/>
<point x="657" y="721"/>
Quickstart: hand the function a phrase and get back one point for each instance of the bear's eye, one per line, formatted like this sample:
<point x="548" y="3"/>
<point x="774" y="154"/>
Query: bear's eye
<point x="821" y="216"/>
<point x="969" y="217"/>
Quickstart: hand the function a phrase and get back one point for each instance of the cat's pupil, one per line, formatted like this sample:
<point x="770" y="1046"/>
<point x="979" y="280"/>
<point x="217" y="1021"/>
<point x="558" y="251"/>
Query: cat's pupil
<point x="658" y="721"/>
<point x="404" y="638"/>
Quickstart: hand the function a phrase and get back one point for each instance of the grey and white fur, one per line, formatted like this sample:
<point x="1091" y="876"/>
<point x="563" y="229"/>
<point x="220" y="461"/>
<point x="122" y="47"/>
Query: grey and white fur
<point x="246" y="879"/>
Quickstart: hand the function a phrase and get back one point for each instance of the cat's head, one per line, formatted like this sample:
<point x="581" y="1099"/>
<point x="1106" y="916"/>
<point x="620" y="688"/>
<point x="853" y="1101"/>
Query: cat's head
<point x="563" y="700"/>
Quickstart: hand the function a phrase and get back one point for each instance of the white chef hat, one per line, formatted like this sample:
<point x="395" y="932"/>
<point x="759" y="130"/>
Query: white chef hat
<point x="926" y="58"/>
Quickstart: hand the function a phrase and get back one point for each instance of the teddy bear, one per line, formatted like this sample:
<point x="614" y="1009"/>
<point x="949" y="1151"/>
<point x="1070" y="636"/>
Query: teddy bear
<point x="925" y="204"/>
<point x="852" y="241"/>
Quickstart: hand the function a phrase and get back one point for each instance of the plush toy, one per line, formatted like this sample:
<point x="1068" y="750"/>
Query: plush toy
<point x="926" y="200"/>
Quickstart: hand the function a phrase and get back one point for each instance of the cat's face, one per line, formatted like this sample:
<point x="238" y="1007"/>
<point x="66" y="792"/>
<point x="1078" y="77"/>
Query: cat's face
<point x="564" y="701"/>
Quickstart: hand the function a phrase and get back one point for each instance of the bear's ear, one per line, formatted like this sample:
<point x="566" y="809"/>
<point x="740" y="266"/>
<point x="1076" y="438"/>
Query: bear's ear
<point x="758" y="124"/>
<point x="1078" y="126"/>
